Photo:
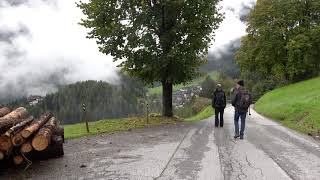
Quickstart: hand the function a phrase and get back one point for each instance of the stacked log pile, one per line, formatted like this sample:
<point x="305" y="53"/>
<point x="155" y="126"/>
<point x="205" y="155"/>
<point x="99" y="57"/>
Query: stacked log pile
<point x="22" y="137"/>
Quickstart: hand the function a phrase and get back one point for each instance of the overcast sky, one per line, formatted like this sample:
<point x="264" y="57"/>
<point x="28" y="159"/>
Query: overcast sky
<point x="42" y="46"/>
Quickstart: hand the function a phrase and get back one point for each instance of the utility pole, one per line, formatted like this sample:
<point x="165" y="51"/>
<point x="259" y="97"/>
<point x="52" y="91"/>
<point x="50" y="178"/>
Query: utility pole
<point x="85" y="117"/>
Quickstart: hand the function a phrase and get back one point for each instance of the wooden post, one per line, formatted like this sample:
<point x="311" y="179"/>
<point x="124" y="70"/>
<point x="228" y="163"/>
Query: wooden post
<point x="84" y="117"/>
<point x="147" y="113"/>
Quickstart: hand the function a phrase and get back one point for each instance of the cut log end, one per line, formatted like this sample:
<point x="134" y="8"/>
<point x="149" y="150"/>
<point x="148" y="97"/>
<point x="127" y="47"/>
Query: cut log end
<point x="18" y="140"/>
<point x="5" y="143"/>
<point x="40" y="143"/>
<point x="26" y="147"/>
<point x="18" y="160"/>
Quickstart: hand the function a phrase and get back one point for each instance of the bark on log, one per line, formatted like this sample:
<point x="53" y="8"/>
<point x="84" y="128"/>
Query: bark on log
<point x="15" y="129"/>
<point x="12" y="118"/>
<point x="26" y="147"/>
<point x="1" y="155"/>
<point x="4" y="111"/>
<point x="28" y="131"/>
<point x="18" y="160"/>
<point x="43" y="138"/>
<point x="5" y="143"/>
<point x="60" y="132"/>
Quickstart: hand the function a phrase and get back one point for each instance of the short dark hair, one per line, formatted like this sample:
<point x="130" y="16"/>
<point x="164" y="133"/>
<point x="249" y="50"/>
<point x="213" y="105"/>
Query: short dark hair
<point x="241" y="83"/>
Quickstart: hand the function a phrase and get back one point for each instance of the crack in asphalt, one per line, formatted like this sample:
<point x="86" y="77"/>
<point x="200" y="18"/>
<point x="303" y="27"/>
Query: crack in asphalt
<point x="225" y="149"/>
<point x="241" y="171"/>
<point x="177" y="148"/>
<point x="251" y="165"/>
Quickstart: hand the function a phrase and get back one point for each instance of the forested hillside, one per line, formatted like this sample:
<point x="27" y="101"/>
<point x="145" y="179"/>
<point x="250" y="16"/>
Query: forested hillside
<point x="282" y="45"/>
<point x="102" y="100"/>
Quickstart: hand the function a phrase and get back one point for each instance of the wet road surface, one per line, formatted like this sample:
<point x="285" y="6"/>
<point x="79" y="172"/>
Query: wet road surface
<point x="186" y="151"/>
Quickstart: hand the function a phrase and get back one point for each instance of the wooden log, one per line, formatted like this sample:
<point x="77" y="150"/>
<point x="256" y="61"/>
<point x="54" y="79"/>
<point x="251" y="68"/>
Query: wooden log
<point x="18" y="160"/>
<point x="26" y="147"/>
<point x="5" y="143"/>
<point x="1" y="155"/>
<point x="29" y="130"/>
<point x="18" y="140"/>
<point x="12" y="118"/>
<point x="43" y="138"/>
<point x="15" y="129"/>
<point x="4" y="111"/>
<point x="54" y="150"/>
<point x="59" y="132"/>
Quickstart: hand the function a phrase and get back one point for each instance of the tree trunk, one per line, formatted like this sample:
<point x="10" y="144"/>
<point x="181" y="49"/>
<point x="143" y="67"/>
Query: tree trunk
<point x="43" y="138"/>
<point x="167" y="99"/>
<point x="12" y="118"/>
<point x="29" y="130"/>
<point x="4" y="111"/>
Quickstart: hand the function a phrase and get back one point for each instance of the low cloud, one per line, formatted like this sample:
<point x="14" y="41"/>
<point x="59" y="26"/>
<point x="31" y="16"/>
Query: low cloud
<point x="42" y="46"/>
<point x="233" y="26"/>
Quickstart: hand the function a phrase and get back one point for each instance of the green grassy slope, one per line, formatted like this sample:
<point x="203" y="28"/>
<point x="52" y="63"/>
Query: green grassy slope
<point x="204" y="114"/>
<point x="114" y="125"/>
<point x="296" y="106"/>
<point x="158" y="90"/>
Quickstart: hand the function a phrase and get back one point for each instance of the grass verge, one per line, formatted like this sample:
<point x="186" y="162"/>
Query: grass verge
<point x="204" y="114"/>
<point x="114" y="125"/>
<point x="296" y="106"/>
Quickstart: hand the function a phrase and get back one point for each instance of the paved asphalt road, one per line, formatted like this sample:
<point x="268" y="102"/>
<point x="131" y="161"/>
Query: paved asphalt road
<point x="187" y="151"/>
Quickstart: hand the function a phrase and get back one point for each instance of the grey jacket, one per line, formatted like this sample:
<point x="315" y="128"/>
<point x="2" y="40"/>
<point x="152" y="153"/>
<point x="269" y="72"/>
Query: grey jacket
<point x="236" y="100"/>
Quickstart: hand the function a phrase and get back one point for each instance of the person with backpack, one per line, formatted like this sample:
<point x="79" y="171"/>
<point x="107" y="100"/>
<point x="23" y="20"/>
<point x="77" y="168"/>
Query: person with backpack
<point x="241" y="102"/>
<point x="219" y="104"/>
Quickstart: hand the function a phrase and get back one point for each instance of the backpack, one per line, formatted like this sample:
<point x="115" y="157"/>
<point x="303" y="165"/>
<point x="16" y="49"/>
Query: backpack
<point x="244" y="100"/>
<point x="219" y="100"/>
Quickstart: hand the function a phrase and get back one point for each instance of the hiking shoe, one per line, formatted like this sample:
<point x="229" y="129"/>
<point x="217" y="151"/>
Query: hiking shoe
<point x="236" y="136"/>
<point x="241" y="137"/>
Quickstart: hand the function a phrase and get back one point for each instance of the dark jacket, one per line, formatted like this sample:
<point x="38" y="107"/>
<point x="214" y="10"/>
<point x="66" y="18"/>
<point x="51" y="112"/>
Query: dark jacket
<point x="214" y="102"/>
<point x="236" y="99"/>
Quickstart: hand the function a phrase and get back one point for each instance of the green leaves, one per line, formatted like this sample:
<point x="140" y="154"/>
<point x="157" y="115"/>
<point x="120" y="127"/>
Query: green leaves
<point x="156" y="40"/>
<point x="281" y="42"/>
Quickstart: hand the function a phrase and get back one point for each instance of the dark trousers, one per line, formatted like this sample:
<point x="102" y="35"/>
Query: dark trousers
<point x="242" y="116"/>
<point x="217" y="113"/>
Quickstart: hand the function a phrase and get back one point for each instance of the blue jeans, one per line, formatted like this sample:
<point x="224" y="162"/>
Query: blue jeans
<point x="242" y="116"/>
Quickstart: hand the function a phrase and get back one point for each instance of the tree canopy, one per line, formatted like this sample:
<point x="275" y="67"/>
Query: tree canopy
<point x="283" y="42"/>
<point x="155" y="40"/>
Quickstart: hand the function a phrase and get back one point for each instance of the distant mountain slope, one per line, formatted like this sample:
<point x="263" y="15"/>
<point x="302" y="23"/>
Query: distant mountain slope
<point x="102" y="100"/>
<point x="296" y="105"/>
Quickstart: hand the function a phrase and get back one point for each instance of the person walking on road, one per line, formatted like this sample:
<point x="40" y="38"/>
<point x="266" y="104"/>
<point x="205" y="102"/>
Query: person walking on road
<point x="219" y="104"/>
<point x="241" y="102"/>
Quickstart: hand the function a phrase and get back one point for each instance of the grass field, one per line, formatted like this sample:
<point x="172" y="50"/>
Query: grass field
<point x="296" y="106"/>
<point x="204" y="114"/>
<point x="158" y="90"/>
<point x="114" y="125"/>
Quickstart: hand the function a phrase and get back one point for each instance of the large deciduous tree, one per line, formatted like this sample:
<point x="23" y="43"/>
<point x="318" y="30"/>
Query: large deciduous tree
<point x="282" y="44"/>
<point x="155" y="40"/>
